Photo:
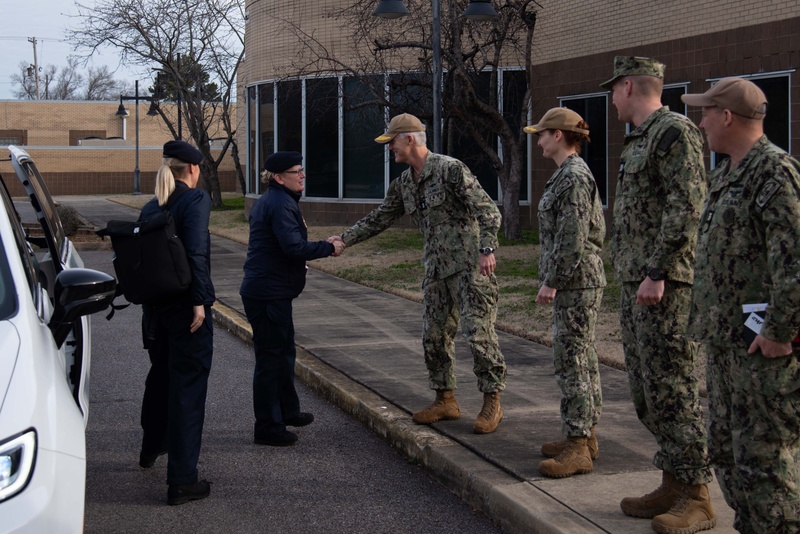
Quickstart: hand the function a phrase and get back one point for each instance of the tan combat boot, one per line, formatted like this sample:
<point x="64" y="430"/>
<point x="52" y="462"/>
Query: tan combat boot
<point x="573" y="460"/>
<point x="692" y="513"/>
<point x="490" y="416"/>
<point x="444" y="408"/>
<point x="551" y="449"/>
<point x="658" y="501"/>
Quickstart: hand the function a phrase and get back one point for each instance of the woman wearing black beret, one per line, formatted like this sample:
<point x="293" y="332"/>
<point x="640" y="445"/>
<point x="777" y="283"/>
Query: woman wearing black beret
<point x="179" y="333"/>
<point x="274" y="275"/>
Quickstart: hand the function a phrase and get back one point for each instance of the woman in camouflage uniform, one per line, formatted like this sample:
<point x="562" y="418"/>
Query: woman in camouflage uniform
<point x="571" y="277"/>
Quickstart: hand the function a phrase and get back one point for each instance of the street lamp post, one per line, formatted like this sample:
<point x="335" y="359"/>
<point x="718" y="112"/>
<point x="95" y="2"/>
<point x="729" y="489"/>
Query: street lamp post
<point x="476" y="10"/>
<point x="122" y="112"/>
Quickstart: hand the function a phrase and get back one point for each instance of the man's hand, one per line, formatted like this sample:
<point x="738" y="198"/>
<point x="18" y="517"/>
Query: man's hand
<point x="338" y="245"/>
<point x="546" y="294"/>
<point x="650" y="292"/>
<point x="488" y="263"/>
<point x="769" y="348"/>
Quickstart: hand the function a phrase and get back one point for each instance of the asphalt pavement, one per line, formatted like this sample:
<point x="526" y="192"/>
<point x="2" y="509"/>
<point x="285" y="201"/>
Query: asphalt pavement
<point x="360" y="349"/>
<point x="340" y="478"/>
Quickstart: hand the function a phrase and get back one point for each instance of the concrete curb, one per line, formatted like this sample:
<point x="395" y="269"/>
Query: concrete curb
<point x="515" y="505"/>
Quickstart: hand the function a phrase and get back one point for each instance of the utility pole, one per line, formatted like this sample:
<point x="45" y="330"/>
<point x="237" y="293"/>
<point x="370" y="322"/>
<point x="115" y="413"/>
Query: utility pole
<point x="35" y="66"/>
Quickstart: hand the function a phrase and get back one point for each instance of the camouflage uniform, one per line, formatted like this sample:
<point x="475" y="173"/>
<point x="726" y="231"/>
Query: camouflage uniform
<point x="660" y="190"/>
<point x="456" y="218"/>
<point x="571" y="233"/>
<point x="749" y="252"/>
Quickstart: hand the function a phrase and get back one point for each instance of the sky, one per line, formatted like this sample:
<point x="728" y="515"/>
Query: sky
<point x="46" y="20"/>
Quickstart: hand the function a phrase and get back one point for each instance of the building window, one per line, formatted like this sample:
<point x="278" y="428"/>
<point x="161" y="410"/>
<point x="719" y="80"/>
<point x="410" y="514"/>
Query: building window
<point x="461" y="144"/>
<point x="322" y="137"/>
<point x="13" y="137"/>
<point x="363" y="165"/>
<point x="514" y="87"/>
<point x="266" y="127"/>
<point x="290" y="116"/>
<point x="671" y="97"/>
<point x="593" y="109"/>
<point x="333" y="122"/>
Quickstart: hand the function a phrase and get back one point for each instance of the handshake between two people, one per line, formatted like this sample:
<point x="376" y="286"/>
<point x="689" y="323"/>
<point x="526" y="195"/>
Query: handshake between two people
<point x="338" y="245"/>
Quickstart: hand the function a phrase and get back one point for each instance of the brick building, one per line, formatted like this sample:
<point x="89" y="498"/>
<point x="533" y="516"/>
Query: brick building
<point x="83" y="147"/>
<point x="574" y="46"/>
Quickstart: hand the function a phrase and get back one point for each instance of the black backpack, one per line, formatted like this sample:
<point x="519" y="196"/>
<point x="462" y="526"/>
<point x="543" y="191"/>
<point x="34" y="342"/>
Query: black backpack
<point x="149" y="258"/>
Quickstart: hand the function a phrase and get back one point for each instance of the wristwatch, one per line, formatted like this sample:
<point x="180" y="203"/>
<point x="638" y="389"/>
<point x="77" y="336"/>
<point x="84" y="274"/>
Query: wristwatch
<point x="656" y="274"/>
<point x="486" y="251"/>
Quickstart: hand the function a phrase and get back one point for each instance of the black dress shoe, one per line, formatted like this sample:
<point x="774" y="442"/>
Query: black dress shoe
<point x="302" y="419"/>
<point x="147" y="460"/>
<point x="282" y="438"/>
<point x="183" y="493"/>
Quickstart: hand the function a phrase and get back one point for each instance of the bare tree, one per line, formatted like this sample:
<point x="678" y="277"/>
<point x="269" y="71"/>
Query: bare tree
<point x="23" y="82"/>
<point x="472" y="55"/>
<point x="101" y="85"/>
<point x="67" y="83"/>
<point x="197" y="44"/>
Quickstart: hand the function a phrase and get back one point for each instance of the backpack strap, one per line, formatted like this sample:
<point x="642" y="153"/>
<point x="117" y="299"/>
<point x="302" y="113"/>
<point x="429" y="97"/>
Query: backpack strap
<point x="115" y="307"/>
<point x="173" y="198"/>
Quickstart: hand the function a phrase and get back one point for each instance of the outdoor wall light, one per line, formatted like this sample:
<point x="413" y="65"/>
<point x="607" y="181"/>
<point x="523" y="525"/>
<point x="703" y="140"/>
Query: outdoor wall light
<point x="121" y="111"/>
<point x="480" y="10"/>
<point x="390" y="9"/>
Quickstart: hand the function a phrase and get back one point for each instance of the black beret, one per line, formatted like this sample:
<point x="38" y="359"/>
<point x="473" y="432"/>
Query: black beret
<point x="183" y="151"/>
<point x="281" y="161"/>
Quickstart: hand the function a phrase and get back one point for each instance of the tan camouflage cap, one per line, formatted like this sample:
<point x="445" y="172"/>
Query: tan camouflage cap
<point x="558" y="119"/>
<point x="635" y="66"/>
<point x="403" y="123"/>
<point x="741" y="96"/>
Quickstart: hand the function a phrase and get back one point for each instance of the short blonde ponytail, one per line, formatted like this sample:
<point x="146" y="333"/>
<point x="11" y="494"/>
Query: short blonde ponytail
<point x="165" y="179"/>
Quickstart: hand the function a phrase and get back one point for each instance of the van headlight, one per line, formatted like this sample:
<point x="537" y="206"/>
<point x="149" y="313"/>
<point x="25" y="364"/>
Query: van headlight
<point x="16" y="463"/>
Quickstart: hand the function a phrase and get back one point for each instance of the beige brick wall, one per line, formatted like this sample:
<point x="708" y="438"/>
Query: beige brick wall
<point x="93" y="169"/>
<point x="575" y="28"/>
<point x="565" y="28"/>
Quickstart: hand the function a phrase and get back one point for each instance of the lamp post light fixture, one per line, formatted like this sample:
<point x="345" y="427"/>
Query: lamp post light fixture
<point x="122" y="112"/>
<point x="478" y="10"/>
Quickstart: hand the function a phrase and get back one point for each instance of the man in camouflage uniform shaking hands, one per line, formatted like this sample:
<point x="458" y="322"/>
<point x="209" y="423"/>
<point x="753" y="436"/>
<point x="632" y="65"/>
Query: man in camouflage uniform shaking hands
<point x="459" y="222"/>
<point x="660" y="191"/>
<point x="749" y="253"/>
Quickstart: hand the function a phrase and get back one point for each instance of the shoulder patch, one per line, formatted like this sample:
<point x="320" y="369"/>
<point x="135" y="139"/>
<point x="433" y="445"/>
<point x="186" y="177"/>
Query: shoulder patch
<point x="767" y="192"/>
<point x="668" y="139"/>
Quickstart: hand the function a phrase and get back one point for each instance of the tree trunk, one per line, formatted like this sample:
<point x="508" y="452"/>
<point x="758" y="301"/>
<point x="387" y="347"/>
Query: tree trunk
<point x="510" y="183"/>
<point x="238" y="166"/>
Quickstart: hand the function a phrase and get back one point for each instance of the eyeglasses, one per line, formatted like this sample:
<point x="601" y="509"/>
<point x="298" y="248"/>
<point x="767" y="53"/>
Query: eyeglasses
<point x="298" y="171"/>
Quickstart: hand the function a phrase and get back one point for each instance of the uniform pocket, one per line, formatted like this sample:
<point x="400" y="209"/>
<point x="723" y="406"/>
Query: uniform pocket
<point x="636" y="182"/>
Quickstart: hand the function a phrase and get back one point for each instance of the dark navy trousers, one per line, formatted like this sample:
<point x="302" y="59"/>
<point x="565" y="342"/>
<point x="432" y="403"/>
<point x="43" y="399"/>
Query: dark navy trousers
<point x="274" y="396"/>
<point x="174" y="403"/>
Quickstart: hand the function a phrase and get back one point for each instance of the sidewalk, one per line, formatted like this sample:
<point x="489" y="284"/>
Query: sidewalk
<point x="360" y="348"/>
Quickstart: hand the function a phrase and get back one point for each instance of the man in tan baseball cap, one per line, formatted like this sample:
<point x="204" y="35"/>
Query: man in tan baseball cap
<point x="748" y="251"/>
<point x="403" y="123"/>
<point x="459" y="223"/>
<point x="738" y="95"/>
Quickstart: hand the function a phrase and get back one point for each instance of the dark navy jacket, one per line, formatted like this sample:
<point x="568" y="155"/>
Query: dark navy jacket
<point x="191" y="212"/>
<point x="276" y="258"/>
